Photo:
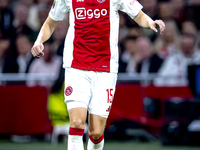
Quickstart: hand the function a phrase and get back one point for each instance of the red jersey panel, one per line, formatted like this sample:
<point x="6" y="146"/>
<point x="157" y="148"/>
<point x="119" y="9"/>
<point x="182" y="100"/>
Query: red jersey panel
<point x="92" y="35"/>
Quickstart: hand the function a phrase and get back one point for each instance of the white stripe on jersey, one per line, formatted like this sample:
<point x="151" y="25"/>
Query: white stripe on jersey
<point x="114" y="24"/>
<point x="69" y="46"/>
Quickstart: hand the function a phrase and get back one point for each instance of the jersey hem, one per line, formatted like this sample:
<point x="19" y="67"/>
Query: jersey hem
<point x="91" y="69"/>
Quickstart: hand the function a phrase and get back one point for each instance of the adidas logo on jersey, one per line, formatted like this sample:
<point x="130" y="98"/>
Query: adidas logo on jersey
<point x="80" y="0"/>
<point x="82" y="13"/>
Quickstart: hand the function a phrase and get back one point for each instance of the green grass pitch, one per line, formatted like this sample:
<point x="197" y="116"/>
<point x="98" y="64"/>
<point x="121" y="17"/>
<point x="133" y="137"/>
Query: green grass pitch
<point x="6" y="145"/>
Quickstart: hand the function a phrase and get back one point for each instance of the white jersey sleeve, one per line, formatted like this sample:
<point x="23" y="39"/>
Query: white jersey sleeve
<point x="131" y="7"/>
<point x="58" y="10"/>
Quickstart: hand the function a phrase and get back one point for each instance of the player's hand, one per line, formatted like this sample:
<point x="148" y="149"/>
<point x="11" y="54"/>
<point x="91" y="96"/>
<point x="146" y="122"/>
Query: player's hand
<point x="157" y="24"/>
<point x="37" y="50"/>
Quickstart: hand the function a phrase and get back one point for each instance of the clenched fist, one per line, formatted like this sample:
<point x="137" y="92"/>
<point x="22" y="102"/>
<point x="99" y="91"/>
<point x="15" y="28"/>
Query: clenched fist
<point x="37" y="50"/>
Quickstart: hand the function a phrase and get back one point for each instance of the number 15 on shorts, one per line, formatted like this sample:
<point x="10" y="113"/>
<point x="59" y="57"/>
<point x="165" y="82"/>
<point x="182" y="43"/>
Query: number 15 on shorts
<point x="110" y="93"/>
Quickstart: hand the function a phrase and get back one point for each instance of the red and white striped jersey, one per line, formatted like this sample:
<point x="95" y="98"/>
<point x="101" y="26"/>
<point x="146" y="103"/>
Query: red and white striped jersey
<point x="92" y="39"/>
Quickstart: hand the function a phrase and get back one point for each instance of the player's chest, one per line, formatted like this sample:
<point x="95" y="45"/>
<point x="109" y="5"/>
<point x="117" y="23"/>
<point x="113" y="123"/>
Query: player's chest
<point x="91" y="9"/>
<point x="92" y="4"/>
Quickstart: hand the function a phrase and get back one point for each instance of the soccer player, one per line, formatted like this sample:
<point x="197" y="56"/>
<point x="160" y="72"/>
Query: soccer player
<point x="90" y="60"/>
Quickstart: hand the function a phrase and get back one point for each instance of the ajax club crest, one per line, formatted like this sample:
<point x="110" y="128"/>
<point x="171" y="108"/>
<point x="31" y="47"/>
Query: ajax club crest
<point x="68" y="91"/>
<point x="101" y="1"/>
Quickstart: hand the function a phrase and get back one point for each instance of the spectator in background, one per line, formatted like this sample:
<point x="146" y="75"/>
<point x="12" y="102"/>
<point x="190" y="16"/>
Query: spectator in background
<point x="32" y="20"/>
<point x="20" y="21"/>
<point x="24" y="58"/>
<point x="125" y="56"/>
<point x="188" y="27"/>
<point x="129" y="44"/>
<point x="49" y="64"/>
<point x="43" y="11"/>
<point x="193" y="2"/>
<point x="48" y="2"/>
<point x="4" y="45"/>
<point x="7" y="60"/>
<point x="129" y="55"/>
<point x="123" y="30"/>
<point x="134" y="32"/>
<point x="28" y="3"/>
<point x="165" y="11"/>
<point x="150" y="62"/>
<point x="122" y="64"/>
<point x="178" y="13"/>
<point x="168" y="43"/>
<point x="151" y="9"/>
<point x="59" y="36"/>
<point x="6" y="20"/>
<point x="174" y="69"/>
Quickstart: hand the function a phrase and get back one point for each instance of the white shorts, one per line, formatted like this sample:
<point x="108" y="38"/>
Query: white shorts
<point x="91" y="90"/>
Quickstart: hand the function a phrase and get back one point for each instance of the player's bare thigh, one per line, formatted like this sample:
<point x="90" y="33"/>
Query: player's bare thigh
<point x="77" y="117"/>
<point x="96" y="125"/>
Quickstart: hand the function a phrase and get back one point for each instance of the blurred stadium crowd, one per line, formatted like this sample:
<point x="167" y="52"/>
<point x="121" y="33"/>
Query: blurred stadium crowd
<point x="141" y="50"/>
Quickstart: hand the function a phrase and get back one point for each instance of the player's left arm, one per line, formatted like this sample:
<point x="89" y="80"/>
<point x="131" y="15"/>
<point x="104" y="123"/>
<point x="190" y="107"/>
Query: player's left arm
<point x="145" y="21"/>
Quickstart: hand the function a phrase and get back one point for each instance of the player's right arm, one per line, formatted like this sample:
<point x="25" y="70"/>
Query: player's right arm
<point x="44" y="34"/>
